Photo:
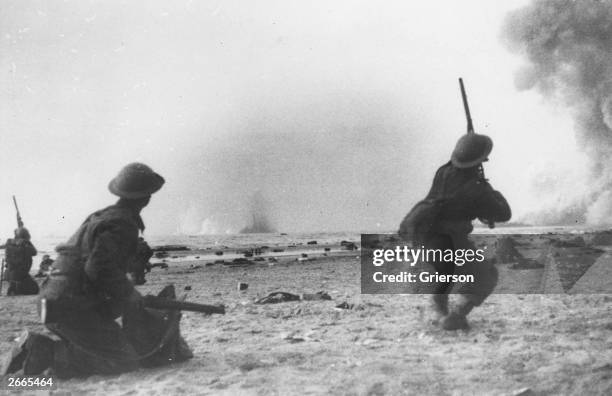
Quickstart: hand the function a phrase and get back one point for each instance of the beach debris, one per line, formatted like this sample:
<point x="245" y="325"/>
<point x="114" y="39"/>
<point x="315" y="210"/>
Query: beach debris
<point x="278" y="297"/>
<point x="321" y="295"/>
<point x="209" y="264"/>
<point x="348" y="245"/>
<point x="304" y="257"/>
<point x="311" y="242"/>
<point x="187" y="288"/>
<point x="159" y="265"/>
<point x="345" y="305"/>
<point x="167" y="248"/>
<point x="239" y="262"/>
<point x="291" y="337"/>
<point x="242" y="286"/>
<point x="573" y="242"/>
<point x="278" y="250"/>
<point x="327" y="249"/>
<point x="160" y="254"/>
<point x="219" y="253"/>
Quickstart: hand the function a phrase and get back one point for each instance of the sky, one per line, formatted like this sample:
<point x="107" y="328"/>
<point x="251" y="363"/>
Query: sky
<point x="336" y="113"/>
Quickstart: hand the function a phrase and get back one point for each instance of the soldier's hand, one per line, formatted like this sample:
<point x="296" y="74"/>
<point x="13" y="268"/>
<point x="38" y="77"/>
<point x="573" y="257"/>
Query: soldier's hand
<point x="135" y="302"/>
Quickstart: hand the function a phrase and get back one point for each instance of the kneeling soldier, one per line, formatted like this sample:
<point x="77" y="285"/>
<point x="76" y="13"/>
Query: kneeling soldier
<point x="88" y="289"/>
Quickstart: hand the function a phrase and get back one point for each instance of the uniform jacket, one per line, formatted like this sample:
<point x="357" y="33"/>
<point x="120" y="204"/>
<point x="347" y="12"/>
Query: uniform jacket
<point x="457" y="196"/>
<point x="19" y="253"/>
<point x="465" y="197"/>
<point x="95" y="258"/>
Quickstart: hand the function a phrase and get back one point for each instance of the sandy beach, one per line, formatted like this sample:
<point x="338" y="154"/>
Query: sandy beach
<point x="384" y="344"/>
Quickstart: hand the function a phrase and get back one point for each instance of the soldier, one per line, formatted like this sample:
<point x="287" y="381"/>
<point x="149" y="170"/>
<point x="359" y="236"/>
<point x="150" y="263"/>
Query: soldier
<point x="140" y="264"/>
<point x="443" y="220"/>
<point x="88" y="289"/>
<point x="19" y="253"/>
<point x="45" y="266"/>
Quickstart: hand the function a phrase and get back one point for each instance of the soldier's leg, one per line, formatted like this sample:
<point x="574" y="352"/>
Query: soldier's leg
<point x="155" y="334"/>
<point x="441" y="289"/>
<point x="32" y="353"/>
<point x="91" y="343"/>
<point x="471" y="294"/>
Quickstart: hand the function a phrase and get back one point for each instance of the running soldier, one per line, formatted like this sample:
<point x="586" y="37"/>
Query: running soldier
<point x="443" y="220"/>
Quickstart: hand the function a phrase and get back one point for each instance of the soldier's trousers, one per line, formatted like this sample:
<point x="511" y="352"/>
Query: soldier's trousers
<point x="22" y="286"/>
<point x="92" y="342"/>
<point x="485" y="273"/>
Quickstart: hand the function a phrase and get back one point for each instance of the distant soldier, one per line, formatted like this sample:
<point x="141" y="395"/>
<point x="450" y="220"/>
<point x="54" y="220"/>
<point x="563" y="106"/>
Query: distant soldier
<point x="44" y="267"/>
<point x="88" y="290"/>
<point x="19" y="253"/>
<point x="140" y="264"/>
<point x="443" y="221"/>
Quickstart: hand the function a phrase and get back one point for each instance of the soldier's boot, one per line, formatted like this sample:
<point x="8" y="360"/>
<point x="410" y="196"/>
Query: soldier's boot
<point x="439" y="306"/>
<point x="32" y="353"/>
<point x="456" y="319"/>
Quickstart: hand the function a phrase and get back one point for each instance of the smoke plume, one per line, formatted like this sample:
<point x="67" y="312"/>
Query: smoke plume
<point x="568" y="48"/>
<point x="260" y="218"/>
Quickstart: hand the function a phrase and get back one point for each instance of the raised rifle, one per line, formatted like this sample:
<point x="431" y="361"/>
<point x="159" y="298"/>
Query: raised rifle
<point x="19" y="220"/>
<point x="470" y="130"/>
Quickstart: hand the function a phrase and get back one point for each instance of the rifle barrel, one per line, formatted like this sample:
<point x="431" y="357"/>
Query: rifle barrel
<point x="466" y="107"/>
<point x="19" y="220"/>
<point x="164" y="303"/>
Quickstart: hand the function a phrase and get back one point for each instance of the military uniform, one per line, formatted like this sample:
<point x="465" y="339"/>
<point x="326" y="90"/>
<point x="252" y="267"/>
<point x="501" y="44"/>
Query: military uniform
<point x="140" y="264"/>
<point x="45" y="266"/>
<point x="465" y="198"/>
<point x="443" y="220"/>
<point x="19" y="253"/>
<point x="87" y="290"/>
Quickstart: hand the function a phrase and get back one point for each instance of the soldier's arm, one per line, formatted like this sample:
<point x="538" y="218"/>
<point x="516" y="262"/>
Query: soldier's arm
<point x="31" y="249"/>
<point x="492" y="205"/>
<point x="103" y="267"/>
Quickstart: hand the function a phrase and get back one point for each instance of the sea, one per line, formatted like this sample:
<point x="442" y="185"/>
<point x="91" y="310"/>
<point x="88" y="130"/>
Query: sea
<point x="46" y="245"/>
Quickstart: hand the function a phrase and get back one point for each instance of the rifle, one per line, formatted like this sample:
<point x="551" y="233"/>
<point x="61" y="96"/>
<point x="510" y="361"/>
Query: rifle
<point x="19" y="221"/>
<point x="470" y="130"/>
<point x="48" y="310"/>
<point x="156" y="302"/>
<point x="1" y="275"/>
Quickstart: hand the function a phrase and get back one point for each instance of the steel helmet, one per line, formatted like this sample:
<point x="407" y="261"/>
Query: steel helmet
<point x="22" y="233"/>
<point x="471" y="150"/>
<point x="135" y="180"/>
